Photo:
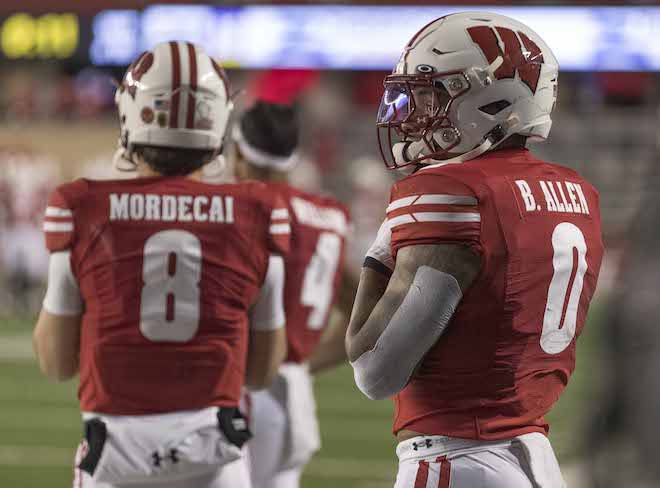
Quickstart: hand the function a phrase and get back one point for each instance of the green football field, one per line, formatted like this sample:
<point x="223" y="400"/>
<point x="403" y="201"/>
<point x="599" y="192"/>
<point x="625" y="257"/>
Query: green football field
<point x="40" y="425"/>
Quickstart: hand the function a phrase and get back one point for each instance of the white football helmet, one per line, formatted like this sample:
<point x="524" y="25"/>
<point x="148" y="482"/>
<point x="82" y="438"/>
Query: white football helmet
<point x="176" y="96"/>
<point x="463" y="85"/>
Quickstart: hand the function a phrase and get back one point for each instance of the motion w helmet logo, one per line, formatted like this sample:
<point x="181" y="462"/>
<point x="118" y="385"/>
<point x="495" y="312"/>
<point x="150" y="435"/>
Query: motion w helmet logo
<point x="527" y="63"/>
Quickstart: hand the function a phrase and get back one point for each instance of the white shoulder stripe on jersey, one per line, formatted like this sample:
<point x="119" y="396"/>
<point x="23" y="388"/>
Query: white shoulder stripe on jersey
<point x="400" y="220"/>
<point x="58" y="226"/>
<point x="401" y="202"/>
<point x="434" y="217"/>
<point x="280" y="229"/>
<point x="279" y="213"/>
<point x="447" y="217"/>
<point x="58" y="212"/>
<point x="446" y="200"/>
<point x="437" y="199"/>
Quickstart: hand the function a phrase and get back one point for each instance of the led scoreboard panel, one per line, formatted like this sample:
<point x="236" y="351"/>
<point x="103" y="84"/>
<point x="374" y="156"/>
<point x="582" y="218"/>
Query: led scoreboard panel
<point x="321" y="36"/>
<point x="55" y="35"/>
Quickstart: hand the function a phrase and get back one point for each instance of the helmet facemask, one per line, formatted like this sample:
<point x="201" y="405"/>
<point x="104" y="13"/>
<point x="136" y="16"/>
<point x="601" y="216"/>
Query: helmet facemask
<point x="413" y="119"/>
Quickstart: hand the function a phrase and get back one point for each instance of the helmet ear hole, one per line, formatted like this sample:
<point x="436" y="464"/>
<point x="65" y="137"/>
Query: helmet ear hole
<point x="495" y="107"/>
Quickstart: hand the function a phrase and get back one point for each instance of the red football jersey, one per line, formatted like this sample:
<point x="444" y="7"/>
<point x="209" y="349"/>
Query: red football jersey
<point x="167" y="269"/>
<point x="509" y="350"/>
<point x="313" y="267"/>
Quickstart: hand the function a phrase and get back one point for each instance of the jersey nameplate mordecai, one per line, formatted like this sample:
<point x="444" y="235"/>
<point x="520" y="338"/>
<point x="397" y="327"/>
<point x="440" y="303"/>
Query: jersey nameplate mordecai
<point x="171" y="208"/>
<point x="553" y="196"/>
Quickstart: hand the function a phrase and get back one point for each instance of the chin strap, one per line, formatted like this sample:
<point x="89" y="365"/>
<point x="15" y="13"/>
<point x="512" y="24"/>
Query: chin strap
<point x="495" y="137"/>
<point x="122" y="161"/>
<point x="473" y="154"/>
<point x="403" y="150"/>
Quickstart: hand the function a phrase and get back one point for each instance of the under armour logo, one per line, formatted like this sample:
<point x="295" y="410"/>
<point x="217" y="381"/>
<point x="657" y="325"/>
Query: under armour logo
<point x="427" y="443"/>
<point x="157" y="459"/>
<point x="239" y="423"/>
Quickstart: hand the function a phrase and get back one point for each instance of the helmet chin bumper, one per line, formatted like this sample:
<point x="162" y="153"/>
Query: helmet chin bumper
<point x="405" y="153"/>
<point x="422" y="151"/>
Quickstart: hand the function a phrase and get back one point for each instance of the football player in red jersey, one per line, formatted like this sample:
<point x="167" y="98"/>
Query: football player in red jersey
<point x="153" y="282"/>
<point x="494" y="257"/>
<point x="283" y="417"/>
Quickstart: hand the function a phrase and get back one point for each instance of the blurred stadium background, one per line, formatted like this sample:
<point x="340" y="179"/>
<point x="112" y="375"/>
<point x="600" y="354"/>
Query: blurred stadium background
<point x="57" y="122"/>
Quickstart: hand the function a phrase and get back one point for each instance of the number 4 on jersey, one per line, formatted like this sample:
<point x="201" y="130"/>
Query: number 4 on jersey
<point x="319" y="277"/>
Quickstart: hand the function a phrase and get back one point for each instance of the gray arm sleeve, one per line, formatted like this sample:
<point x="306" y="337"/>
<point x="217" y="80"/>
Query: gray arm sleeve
<point x="414" y="328"/>
<point x="268" y="311"/>
<point x="63" y="295"/>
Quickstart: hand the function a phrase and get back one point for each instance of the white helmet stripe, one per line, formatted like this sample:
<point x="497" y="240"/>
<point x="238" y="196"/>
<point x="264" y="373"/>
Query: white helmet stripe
<point x="192" y="68"/>
<point x="185" y="80"/>
<point x="176" y="85"/>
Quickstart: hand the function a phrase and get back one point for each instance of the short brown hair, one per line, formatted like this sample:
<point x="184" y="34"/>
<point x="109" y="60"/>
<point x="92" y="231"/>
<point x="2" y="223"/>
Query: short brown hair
<point x="174" y="161"/>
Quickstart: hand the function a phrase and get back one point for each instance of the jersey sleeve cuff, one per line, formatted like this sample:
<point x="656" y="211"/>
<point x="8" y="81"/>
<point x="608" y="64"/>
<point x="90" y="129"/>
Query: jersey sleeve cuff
<point x="60" y="310"/>
<point x="377" y="266"/>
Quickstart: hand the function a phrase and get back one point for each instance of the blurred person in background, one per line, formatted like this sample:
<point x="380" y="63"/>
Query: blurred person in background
<point x="163" y="291"/>
<point x="283" y="417"/>
<point x="369" y="188"/>
<point x="26" y="178"/>
<point x="625" y="430"/>
<point x="479" y="282"/>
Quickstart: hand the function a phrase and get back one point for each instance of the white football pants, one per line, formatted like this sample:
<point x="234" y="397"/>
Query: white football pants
<point x="442" y="462"/>
<point x="174" y="450"/>
<point x="285" y="429"/>
<point x="233" y="475"/>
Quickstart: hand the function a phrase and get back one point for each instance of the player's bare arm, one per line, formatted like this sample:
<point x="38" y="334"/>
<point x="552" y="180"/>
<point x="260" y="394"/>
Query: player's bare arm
<point x="330" y="350"/>
<point x="375" y="276"/>
<point x="267" y="346"/>
<point x="56" y="343"/>
<point x="56" y="337"/>
<point x="267" y="350"/>
<point x="399" y="320"/>
<point x="371" y="288"/>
